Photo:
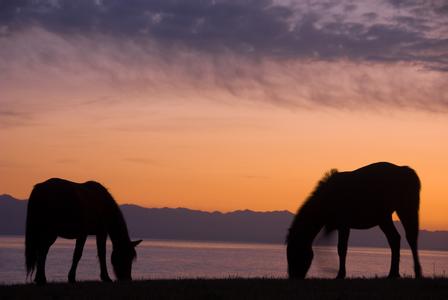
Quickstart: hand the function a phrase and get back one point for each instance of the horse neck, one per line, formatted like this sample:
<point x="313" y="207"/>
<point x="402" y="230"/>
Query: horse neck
<point x="117" y="229"/>
<point x="307" y="225"/>
<point x="305" y="232"/>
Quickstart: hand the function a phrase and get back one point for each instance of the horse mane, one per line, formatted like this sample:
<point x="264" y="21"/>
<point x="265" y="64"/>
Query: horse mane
<point x="321" y="186"/>
<point x="312" y="204"/>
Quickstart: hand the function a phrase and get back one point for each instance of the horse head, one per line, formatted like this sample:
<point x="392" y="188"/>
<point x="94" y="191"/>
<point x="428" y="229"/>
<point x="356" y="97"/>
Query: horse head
<point x="299" y="256"/>
<point x="122" y="258"/>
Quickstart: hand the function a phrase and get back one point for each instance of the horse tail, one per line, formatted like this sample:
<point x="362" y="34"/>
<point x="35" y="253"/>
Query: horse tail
<point x="31" y="235"/>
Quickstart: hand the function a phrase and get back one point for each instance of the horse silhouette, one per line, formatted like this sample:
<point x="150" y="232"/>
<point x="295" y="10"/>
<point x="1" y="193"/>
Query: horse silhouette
<point x="61" y="208"/>
<point x="359" y="199"/>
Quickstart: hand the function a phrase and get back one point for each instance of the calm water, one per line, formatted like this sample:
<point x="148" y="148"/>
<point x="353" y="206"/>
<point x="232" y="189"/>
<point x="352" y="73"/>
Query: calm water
<point x="175" y="259"/>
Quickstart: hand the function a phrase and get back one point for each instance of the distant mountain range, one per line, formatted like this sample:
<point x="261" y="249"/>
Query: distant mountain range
<point x="237" y="226"/>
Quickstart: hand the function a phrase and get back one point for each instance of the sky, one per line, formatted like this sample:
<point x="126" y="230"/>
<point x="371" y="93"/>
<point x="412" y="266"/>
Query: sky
<point x="220" y="104"/>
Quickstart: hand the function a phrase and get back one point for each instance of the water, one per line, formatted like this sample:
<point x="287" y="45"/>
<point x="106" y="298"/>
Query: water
<point x="177" y="259"/>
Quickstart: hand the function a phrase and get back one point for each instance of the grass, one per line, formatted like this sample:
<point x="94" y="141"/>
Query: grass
<point x="236" y="288"/>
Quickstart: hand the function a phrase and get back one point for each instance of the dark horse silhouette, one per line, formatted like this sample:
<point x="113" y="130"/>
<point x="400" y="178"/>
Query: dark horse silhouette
<point x="359" y="199"/>
<point x="61" y="208"/>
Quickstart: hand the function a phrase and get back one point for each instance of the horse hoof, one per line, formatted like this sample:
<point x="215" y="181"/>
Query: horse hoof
<point x="106" y="279"/>
<point x="393" y="276"/>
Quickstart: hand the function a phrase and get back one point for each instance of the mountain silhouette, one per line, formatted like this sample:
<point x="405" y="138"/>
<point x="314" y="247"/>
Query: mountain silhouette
<point x="12" y="215"/>
<point x="237" y="226"/>
<point x="187" y="224"/>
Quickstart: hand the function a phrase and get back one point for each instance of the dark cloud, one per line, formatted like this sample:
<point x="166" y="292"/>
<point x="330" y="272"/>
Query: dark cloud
<point x="11" y="114"/>
<point x="370" y="16"/>
<point x="422" y="8"/>
<point x="414" y="23"/>
<point x="350" y="7"/>
<point x="256" y="28"/>
<point x="442" y="9"/>
<point x="13" y="118"/>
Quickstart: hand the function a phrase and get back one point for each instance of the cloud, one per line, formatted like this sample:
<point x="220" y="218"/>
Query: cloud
<point x="60" y="54"/>
<point x="256" y="177"/>
<point x="14" y="118"/>
<point x="7" y="164"/>
<point x="65" y="161"/>
<point x="139" y="160"/>
<point x="328" y="29"/>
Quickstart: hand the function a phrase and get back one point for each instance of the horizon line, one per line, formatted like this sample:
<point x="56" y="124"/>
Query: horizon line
<point x="181" y="207"/>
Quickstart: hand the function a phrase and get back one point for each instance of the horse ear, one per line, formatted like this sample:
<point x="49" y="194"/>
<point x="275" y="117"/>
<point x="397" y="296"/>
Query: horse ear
<point x="135" y="243"/>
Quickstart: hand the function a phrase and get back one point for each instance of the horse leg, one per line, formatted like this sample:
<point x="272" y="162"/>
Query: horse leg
<point x="410" y="224"/>
<point x="393" y="237"/>
<point x="44" y="246"/>
<point x="101" y="245"/>
<point x="343" y="235"/>
<point x="76" y="257"/>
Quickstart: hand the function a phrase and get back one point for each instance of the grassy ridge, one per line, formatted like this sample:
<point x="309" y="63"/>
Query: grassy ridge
<point x="236" y="289"/>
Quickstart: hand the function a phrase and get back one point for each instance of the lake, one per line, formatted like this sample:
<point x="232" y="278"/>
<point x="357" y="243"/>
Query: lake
<point x="191" y="259"/>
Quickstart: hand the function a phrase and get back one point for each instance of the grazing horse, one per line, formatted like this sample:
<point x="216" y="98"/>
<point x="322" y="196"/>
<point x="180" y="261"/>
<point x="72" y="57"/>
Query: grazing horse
<point x="359" y="199"/>
<point x="61" y="208"/>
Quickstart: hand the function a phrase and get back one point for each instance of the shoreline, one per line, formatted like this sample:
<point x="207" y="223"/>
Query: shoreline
<point x="91" y="239"/>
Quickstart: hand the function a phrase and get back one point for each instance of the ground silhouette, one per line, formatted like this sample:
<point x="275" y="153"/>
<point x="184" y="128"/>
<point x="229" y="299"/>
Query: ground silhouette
<point x="61" y="208"/>
<point x="359" y="199"/>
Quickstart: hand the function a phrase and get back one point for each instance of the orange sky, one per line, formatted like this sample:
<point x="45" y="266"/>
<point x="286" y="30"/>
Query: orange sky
<point x="223" y="157"/>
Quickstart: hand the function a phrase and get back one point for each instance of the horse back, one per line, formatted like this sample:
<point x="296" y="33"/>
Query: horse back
<point x="69" y="208"/>
<point x="366" y="196"/>
<point x="384" y="180"/>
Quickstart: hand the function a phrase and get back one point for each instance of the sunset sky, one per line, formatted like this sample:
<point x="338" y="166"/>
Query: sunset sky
<point x="220" y="104"/>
